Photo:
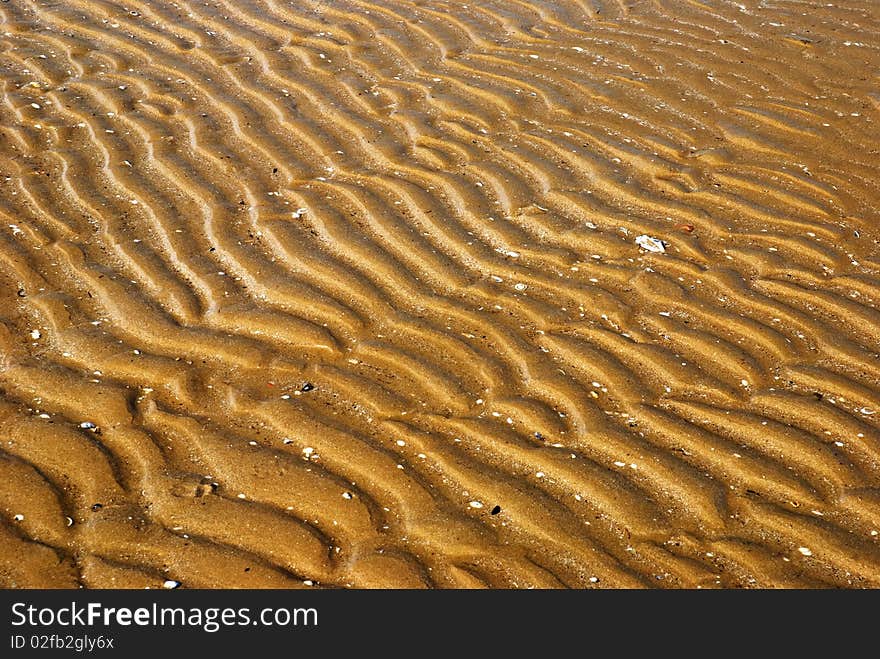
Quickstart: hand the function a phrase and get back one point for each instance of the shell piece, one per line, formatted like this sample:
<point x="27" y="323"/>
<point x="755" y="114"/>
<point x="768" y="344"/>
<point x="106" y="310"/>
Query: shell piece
<point x="651" y="244"/>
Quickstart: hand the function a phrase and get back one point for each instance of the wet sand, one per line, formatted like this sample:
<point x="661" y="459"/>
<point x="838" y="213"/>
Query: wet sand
<point x="435" y="294"/>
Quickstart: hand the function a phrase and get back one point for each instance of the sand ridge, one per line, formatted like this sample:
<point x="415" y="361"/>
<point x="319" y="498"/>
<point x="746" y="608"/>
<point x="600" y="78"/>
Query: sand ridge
<point x="348" y="294"/>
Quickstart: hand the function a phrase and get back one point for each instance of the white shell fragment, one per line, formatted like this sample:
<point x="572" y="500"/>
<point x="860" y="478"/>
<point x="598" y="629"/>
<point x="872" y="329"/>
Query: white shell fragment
<point x="170" y="584"/>
<point x="651" y="244"/>
<point x="805" y="551"/>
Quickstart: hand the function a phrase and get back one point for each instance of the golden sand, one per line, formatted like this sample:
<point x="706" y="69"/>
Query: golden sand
<point x="405" y="293"/>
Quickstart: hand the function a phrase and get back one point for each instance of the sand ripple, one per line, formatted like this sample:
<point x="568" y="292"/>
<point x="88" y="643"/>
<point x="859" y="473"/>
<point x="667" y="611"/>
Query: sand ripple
<point x="345" y="293"/>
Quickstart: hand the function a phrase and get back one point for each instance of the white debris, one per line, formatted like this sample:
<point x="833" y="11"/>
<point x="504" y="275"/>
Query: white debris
<point x="520" y="287"/>
<point x="307" y="451"/>
<point x="476" y="504"/>
<point x="805" y="551"/>
<point x="299" y="212"/>
<point x="35" y="334"/>
<point x="866" y="411"/>
<point x="87" y="425"/>
<point x="651" y="244"/>
<point x="346" y="495"/>
<point x="18" y="518"/>
<point x="170" y="584"/>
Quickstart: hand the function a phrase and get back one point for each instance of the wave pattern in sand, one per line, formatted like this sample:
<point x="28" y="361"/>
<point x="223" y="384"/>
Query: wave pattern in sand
<point x="347" y="293"/>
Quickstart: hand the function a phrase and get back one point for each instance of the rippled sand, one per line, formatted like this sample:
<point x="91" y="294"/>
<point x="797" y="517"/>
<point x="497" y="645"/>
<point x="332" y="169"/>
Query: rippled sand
<point x="322" y="294"/>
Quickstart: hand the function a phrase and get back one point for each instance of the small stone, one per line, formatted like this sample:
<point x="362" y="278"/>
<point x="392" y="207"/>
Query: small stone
<point x="170" y="584"/>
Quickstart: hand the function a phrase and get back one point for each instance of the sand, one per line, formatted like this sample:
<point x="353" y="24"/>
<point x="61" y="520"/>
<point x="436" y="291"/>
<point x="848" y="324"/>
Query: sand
<point x="437" y="294"/>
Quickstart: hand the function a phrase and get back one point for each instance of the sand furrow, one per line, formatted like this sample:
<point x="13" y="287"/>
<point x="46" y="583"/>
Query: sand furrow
<point x="351" y="294"/>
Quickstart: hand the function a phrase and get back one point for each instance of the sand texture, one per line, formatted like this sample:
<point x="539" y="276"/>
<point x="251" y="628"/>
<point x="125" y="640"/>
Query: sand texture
<point x="417" y="293"/>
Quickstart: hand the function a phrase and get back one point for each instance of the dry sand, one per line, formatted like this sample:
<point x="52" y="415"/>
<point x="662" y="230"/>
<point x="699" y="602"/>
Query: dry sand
<point x="349" y="294"/>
